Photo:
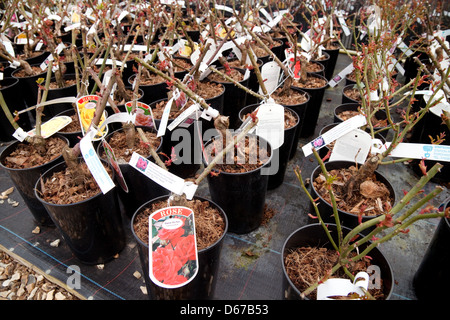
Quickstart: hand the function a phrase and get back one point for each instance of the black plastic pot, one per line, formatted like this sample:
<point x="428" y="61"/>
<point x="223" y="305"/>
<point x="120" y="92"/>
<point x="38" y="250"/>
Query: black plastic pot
<point x="234" y="98"/>
<point x="29" y="85"/>
<point x="140" y="188"/>
<point x="280" y="154"/>
<point x="431" y="125"/>
<point x="203" y="285"/>
<point x="70" y="91"/>
<point x="347" y="219"/>
<point x="345" y="98"/>
<point x="92" y="228"/>
<point x="313" y="108"/>
<point x="25" y="180"/>
<point x="321" y="72"/>
<point x="13" y="95"/>
<point x="241" y="195"/>
<point x="152" y="92"/>
<point x="432" y="278"/>
<point x="314" y="235"/>
<point x="329" y="71"/>
<point x="323" y="62"/>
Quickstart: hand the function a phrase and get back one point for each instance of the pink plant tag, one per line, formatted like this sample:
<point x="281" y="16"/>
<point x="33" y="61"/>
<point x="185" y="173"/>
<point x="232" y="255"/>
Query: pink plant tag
<point x="173" y="260"/>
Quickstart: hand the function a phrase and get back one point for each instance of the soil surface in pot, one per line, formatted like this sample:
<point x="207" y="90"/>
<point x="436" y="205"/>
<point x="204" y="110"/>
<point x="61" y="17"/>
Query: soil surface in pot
<point x="304" y="265"/>
<point x="373" y="197"/>
<point x="209" y="224"/>
<point x="347" y="114"/>
<point x="148" y="78"/>
<point x="206" y="90"/>
<point x="74" y="126"/>
<point x="261" y="52"/>
<point x="25" y="155"/>
<point x="67" y="83"/>
<point x="180" y="64"/>
<point x="21" y="73"/>
<point x="290" y="98"/>
<point x="247" y="155"/>
<point x="60" y="188"/>
<point x="118" y="142"/>
<point x="353" y="93"/>
<point x="313" y="67"/>
<point x="232" y="73"/>
<point x="311" y="82"/>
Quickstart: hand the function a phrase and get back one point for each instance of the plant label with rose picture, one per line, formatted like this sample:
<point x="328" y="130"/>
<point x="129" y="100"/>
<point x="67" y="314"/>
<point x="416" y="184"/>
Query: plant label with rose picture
<point x="144" y="115"/>
<point x="173" y="259"/>
<point x="86" y="106"/>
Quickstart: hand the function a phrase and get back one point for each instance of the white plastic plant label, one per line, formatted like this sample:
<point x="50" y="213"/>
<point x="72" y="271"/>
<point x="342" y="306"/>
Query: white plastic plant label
<point x="52" y="126"/>
<point x="270" y="73"/>
<point x="165" y="118"/>
<point x="335" y="288"/>
<point x="334" y="133"/>
<point x="353" y="146"/>
<point x="94" y="164"/>
<point x="162" y="177"/>
<point x="143" y="112"/>
<point x="271" y="124"/>
<point x="435" y="152"/>
<point x="183" y="116"/>
<point x="173" y="257"/>
<point x="341" y="75"/>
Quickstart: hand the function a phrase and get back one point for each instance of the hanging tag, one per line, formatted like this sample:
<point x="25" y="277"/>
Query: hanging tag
<point x="111" y="158"/>
<point x="335" y="288"/>
<point x="162" y="177"/>
<point x="21" y="38"/>
<point x="144" y="114"/>
<point x="165" y="118"/>
<point x="271" y="124"/>
<point x="94" y="164"/>
<point x="51" y="126"/>
<point x="46" y="62"/>
<point x="86" y="108"/>
<point x="183" y="116"/>
<point x="334" y="133"/>
<point x="353" y="146"/>
<point x="270" y="73"/>
<point x="343" y="23"/>
<point x="173" y="258"/>
<point x="341" y="75"/>
<point x="20" y="134"/>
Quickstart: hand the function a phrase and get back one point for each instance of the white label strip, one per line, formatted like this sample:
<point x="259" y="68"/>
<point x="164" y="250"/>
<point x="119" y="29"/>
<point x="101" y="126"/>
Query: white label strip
<point x="419" y="151"/>
<point x="334" y="133"/>
<point x="94" y="164"/>
<point x="341" y="75"/>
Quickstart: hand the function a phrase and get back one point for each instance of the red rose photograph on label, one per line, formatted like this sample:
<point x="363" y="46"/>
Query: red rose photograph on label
<point x="173" y="251"/>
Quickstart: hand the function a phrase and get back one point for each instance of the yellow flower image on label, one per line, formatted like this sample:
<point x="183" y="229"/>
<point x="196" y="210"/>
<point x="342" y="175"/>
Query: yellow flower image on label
<point x="86" y="110"/>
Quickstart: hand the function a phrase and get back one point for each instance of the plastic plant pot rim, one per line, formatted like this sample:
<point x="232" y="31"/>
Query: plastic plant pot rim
<point x="241" y="173"/>
<point x="69" y="204"/>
